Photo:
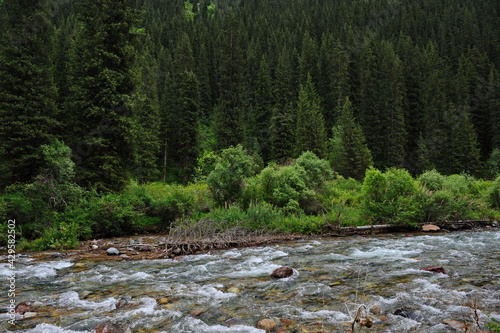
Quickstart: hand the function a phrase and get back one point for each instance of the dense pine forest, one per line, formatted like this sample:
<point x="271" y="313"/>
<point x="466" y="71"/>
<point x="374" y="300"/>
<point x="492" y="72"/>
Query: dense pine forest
<point x="123" y="116"/>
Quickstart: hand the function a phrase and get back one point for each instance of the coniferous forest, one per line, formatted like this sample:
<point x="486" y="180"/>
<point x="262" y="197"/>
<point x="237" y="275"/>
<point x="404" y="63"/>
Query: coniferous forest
<point x="133" y="116"/>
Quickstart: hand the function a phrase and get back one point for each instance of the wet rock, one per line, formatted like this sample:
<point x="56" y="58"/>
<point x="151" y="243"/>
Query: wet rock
<point x="196" y="313"/>
<point x="267" y="324"/>
<point x="234" y="290"/>
<point x="110" y="328"/>
<point x="375" y="310"/>
<point x="406" y="314"/>
<point x="80" y="265"/>
<point x="430" y="227"/>
<point x="57" y="256"/>
<point x="282" y="272"/>
<point x="433" y="269"/>
<point x="125" y="257"/>
<point x="123" y="301"/>
<point x="30" y="314"/>
<point x="24" y="307"/>
<point x="458" y="325"/>
<point x="163" y="300"/>
<point x="112" y="251"/>
<point x="145" y="248"/>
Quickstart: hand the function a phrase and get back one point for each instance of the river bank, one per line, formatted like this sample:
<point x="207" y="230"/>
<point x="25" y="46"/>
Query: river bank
<point x="162" y="246"/>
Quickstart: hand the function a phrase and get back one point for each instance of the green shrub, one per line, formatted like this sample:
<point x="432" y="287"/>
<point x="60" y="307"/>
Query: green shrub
<point x="432" y="180"/>
<point x="226" y="180"/>
<point x="493" y="195"/>
<point x="391" y="197"/>
<point x="317" y="170"/>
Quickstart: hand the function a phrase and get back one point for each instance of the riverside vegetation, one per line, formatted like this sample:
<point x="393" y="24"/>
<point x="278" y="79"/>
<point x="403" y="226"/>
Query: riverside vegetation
<point x="121" y="117"/>
<point x="234" y="191"/>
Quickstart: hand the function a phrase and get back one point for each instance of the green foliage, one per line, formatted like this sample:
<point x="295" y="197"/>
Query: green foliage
<point x="493" y="198"/>
<point x="317" y="170"/>
<point x="432" y="180"/>
<point x="349" y="153"/>
<point x="310" y="131"/>
<point x="494" y="325"/>
<point x="226" y="180"/>
<point x="391" y="197"/>
<point x="492" y="165"/>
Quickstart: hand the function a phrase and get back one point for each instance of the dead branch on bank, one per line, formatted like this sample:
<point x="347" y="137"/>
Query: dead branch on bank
<point x="207" y="235"/>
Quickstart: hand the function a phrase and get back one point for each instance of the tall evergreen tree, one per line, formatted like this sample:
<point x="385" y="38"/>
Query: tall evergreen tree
<point x="228" y="114"/>
<point x="349" y="153"/>
<point x="27" y="93"/>
<point x="310" y="129"/>
<point x="104" y="95"/>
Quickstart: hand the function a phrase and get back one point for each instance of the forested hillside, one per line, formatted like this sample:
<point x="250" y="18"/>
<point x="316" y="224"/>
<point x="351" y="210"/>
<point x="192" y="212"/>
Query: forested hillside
<point x="98" y="94"/>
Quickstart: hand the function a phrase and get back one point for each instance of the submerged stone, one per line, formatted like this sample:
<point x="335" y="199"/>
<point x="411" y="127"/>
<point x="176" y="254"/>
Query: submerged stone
<point x="433" y="269"/>
<point x="267" y="324"/>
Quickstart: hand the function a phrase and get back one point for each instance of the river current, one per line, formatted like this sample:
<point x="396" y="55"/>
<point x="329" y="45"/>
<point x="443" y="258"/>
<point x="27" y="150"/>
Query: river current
<point x="230" y="291"/>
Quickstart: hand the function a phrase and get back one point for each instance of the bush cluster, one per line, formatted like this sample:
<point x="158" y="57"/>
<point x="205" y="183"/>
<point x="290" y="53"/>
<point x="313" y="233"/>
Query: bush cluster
<point x="302" y="196"/>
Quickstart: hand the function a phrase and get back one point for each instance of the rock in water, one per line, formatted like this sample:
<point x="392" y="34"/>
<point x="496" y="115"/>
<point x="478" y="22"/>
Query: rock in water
<point x="24" y="307"/>
<point x="113" y="251"/>
<point x="430" y="227"/>
<point x="434" y="269"/>
<point x="406" y="314"/>
<point x="457" y="325"/>
<point x="282" y="272"/>
<point x="267" y="324"/>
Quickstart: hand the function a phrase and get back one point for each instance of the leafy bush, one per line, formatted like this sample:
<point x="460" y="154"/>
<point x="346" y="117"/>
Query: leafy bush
<point x="317" y="170"/>
<point x="391" y="197"/>
<point x="226" y="180"/>
<point x="493" y="196"/>
<point x="432" y="180"/>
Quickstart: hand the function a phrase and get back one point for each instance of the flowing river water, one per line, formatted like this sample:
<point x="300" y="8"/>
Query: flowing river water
<point x="230" y="291"/>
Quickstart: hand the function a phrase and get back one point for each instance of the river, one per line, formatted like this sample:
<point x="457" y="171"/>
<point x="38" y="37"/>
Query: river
<point x="230" y="291"/>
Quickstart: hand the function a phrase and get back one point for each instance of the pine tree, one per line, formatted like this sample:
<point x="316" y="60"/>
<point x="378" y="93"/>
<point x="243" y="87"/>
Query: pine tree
<point x="188" y="98"/>
<point x="349" y="153"/>
<point x="147" y="126"/>
<point x="228" y="114"/>
<point x="27" y="93"/>
<point x="103" y="100"/>
<point x="310" y="131"/>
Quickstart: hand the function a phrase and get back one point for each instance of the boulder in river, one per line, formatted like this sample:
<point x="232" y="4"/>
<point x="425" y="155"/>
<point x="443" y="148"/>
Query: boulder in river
<point x="112" y="251"/>
<point x="267" y="324"/>
<point x="24" y="307"/>
<point x="433" y="269"/>
<point x="282" y="272"/>
<point x="430" y="227"/>
<point x="406" y="314"/>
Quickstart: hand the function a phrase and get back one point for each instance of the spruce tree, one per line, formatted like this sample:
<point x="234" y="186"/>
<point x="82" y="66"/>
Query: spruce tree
<point x="27" y="93"/>
<point x="103" y="101"/>
<point x="349" y="153"/>
<point x="228" y="127"/>
<point x="310" y="131"/>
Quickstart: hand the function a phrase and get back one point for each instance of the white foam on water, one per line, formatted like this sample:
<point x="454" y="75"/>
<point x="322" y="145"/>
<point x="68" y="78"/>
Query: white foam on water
<point x="5" y="270"/>
<point x="329" y="315"/>
<point x="380" y="252"/>
<point x="193" y="325"/>
<point x="47" y="328"/>
<point x="71" y="299"/>
<point x="231" y="254"/>
<point x="211" y="292"/>
<point x="42" y="270"/>
<point x="252" y="267"/>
